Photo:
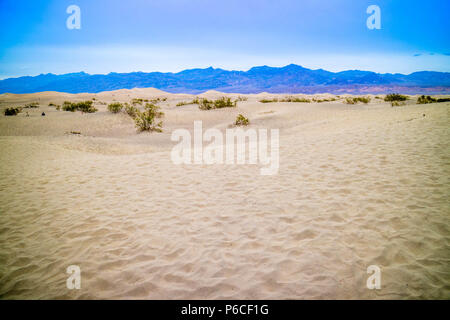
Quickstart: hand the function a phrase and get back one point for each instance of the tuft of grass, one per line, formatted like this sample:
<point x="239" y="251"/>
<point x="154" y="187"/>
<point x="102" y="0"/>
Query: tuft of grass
<point x="241" y="121"/>
<point x="395" y="97"/>
<point x="115" y="107"/>
<point x="12" y="111"/>
<point x="146" y="120"/>
<point x="183" y="103"/>
<point x="241" y="98"/>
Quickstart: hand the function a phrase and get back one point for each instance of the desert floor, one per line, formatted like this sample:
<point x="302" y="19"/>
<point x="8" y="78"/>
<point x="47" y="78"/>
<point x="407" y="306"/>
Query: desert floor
<point x="358" y="185"/>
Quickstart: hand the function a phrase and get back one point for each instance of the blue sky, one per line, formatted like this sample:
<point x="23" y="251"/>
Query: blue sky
<point x="172" y="35"/>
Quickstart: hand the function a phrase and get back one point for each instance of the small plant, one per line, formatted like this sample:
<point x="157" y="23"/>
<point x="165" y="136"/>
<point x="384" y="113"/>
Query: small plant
<point x="51" y="104"/>
<point x="395" y="97"/>
<point x="443" y="100"/>
<point x="224" y="103"/>
<point x="268" y="100"/>
<point x="69" y="106"/>
<point x="145" y="121"/>
<point x="323" y="100"/>
<point x="137" y="101"/>
<point x="84" y="106"/>
<point x="58" y="107"/>
<point x="12" y="111"/>
<point x="294" y="99"/>
<point x="205" y="104"/>
<point x="115" y="107"/>
<point x="183" y="103"/>
<point x="397" y="103"/>
<point x="241" y="120"/>
<point x="32" y="105"/>
<point x="241" y="98"/>
<point x="131" y="110"/>
<point x="355" y="100"/>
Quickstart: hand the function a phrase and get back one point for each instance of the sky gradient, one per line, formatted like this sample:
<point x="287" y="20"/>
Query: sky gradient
<point x="172" y="35"/>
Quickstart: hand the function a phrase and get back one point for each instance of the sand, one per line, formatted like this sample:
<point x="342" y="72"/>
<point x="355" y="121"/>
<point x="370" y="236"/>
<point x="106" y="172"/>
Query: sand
<point x="358" y="185"/>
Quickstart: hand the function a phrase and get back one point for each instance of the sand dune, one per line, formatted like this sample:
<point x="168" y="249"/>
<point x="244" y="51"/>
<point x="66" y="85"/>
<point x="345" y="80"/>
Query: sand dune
<point x="358" y="185"/>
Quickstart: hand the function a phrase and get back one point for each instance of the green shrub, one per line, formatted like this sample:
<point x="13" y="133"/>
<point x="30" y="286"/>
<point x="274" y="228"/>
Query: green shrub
<point x="137" y="101"/>
<point x="224" y="103"/>
<point x="323" y="100"/>
<point x="395" y="97"/>
<point x="145" y="121"/>
<point x="131" y="110"/>
<point x="425" y="99"/>
<point x="51" y="104"/>
<point x="69" y="106"/>
<point x="355" y="100"/>
<point x="84" y="106"/>
<point x="12" y="111"/>
<point x="32" y="105"/>
<point x="268" y="100"/>
<point x="241" y="120"/>
<point x="294" y="99"/>
<point x="115" y="107"/>
<point x="397" y="103"/>
<point x="182" y="103"/>
<point x="443" y="100"/>
<point x="205" y="104"/>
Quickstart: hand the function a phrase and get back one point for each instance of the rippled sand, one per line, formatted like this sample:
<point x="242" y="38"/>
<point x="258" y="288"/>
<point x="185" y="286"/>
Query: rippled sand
<point x="358" y="185"/>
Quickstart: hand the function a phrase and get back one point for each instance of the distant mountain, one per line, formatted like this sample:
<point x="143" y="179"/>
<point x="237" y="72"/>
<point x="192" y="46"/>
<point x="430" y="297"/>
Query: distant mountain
<point x="289" y="79"/>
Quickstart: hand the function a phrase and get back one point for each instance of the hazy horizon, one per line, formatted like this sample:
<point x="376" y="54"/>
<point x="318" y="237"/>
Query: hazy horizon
<point x="174" y="35"/>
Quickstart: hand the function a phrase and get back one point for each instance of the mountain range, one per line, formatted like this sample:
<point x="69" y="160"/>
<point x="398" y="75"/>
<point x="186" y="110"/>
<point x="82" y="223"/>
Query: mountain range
<point x="289" y="79"/>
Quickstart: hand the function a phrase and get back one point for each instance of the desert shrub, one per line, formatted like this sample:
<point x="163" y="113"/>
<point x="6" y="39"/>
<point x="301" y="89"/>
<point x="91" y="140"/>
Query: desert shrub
<point x="131" y="110"/>
<point x="428" y="99"/>
<point x="182" y="103"/>
<point x="32" y="105"/>
<point x="241" y="98"/>
<point x="268" y="100"/>
<point x="241" y="120"/>
<point x="146" y="120"/>
<point x="58" y="107"/>
<point x="224" y="103"/>
<point x="323" y="100"/>
<point x="294" y="99"/>
<point x="12" y="111"/>
<point x="205" y="104"/>
<point x="425" y="99"/>
<point x="86" y="107"/>
<point x="397" y="103"/>
<point x="69" y="106"/>
<point x="115" y="107"/>
<point x="83" y="106"/>
<point x="355" y="100"/>
<point x="395" y="97"/>
<point x="51" y="104"/>
<point x="137" y="101"/>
